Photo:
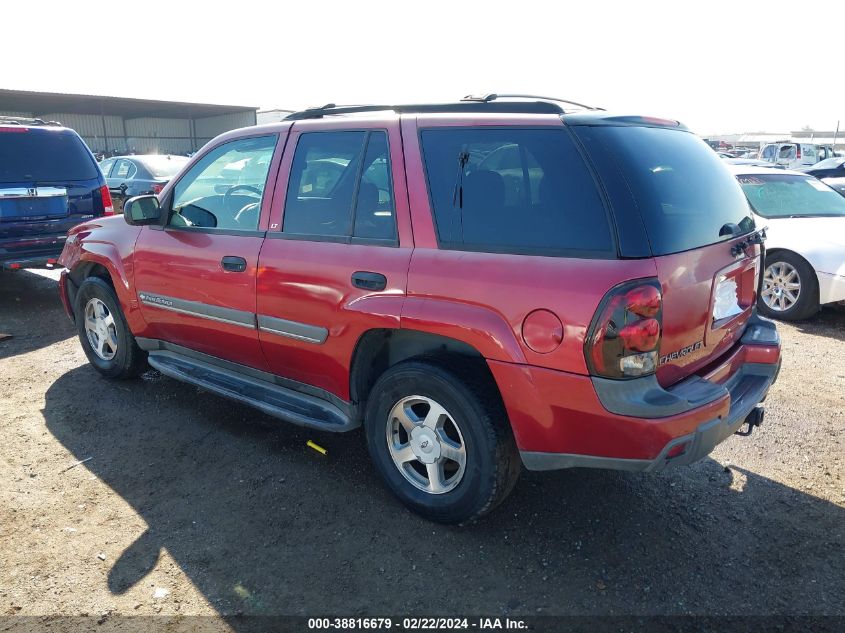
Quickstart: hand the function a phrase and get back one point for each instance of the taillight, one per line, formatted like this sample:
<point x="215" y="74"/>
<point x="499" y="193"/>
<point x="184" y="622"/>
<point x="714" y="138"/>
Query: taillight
<point x="105" y="196"/>
<point x="798" y="155"/>
<point x="624" y="336"/>
<point x="17" y="130"/>
<point x="157" y="187"/>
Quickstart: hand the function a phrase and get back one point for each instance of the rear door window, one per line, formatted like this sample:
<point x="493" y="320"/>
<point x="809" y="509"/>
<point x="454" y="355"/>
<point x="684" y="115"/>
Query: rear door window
<point x="686" y="197"/>
<point x="340" y="187"/>
<point x="514" y="190"/>
<point x="31" y="154"/>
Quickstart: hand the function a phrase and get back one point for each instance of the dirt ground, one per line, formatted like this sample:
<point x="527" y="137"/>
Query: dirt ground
<point x="192" y="505"/>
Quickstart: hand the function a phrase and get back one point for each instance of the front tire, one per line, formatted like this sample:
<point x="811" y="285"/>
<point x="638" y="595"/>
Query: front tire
<point x="106" y="339"/>
<point x="790" y="288"/>
<point x="441" y="441"/>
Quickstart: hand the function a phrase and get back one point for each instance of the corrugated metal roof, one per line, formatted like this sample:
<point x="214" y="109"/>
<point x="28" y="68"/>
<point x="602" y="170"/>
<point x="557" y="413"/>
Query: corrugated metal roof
<point x="45" y="102"/>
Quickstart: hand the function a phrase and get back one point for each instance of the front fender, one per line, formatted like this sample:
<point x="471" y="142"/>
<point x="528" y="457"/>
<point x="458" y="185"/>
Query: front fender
<point x="109" y="243"/>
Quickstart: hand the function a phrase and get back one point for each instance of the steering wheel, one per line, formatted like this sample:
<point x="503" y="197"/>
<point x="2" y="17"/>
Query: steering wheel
<point x="255" y="190"/>
<point x="244" y="210"/>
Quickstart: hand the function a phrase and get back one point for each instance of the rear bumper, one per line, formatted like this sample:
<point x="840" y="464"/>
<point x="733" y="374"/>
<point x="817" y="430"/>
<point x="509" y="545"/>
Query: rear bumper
<point x="31" y="252"/>
<point x="563" y="420"/>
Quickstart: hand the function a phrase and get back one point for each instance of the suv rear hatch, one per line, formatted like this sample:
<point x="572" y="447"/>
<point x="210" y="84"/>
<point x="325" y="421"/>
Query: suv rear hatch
<point x="49" y="182"/>
<point x="668" y="189"/>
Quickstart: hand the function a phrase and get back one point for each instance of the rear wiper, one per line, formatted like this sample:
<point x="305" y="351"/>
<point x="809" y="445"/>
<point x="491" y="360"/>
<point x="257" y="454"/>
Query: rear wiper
<point x="458" y="193"/>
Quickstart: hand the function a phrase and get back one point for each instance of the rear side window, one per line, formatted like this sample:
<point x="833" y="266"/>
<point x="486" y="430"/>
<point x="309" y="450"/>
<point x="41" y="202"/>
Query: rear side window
<point x="340" y="187"/>
<point x="686" y="196"/>
<point x="514" y="190"/>
<point x="40" y="155"/>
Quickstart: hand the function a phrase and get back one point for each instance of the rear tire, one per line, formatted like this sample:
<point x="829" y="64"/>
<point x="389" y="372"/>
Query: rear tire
<point x="106" y="339"/>
<point x="790" y="288"/>
<point x="440" y="439"/>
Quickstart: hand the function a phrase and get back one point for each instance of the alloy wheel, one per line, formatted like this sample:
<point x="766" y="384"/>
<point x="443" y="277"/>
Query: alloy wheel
<point x="781" y="286"/>
<point x="426" y="444"/>
<point x="100" y="329"/>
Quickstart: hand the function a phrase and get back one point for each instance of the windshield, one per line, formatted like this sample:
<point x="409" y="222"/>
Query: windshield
<point x="163" y="166"/>
<point x="786" y="195"/>
<point x="685" y="195"/>
<point x="44" y="156"/>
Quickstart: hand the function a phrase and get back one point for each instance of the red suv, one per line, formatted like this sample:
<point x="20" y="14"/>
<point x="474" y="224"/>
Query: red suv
<point x="482" y="285"/>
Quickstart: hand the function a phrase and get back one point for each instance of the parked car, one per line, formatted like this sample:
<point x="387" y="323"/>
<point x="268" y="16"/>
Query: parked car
<point x="129" y="176"/>
<point x="790" y="155"/>
<point x="49" y="181"/>
<point x="598" y="311"/>
<point x="837" y="184"/>
<point x="805" y="249"/>
<point x="751" y="162"/>
<point x="829" y="168"/>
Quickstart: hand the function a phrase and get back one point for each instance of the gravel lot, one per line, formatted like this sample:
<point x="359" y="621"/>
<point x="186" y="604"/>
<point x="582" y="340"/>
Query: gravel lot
<point x="193" y="505"/>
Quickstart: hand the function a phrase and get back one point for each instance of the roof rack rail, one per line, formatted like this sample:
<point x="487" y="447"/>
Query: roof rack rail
<point x="494" y="96"/>
<point x="504" y="107"/>
<point x="20" y="120"/>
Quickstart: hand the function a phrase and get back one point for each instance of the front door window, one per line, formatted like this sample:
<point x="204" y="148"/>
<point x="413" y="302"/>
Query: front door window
<point x="224" y="189"/>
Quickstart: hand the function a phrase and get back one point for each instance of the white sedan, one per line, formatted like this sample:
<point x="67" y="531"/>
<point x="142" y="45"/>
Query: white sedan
<point x="805" y="249"/>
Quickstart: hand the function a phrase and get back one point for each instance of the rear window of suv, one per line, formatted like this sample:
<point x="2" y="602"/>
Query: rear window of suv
<point x="514" y="190"/>
<point x="684" y="193"/>
<point x="44" y="156"/>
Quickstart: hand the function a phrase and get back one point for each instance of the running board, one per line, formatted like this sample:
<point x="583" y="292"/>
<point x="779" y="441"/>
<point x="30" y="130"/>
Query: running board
<point x="289" y="405"/>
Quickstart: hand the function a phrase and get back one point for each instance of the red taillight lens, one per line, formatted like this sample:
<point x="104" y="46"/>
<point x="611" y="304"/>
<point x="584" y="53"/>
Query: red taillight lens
<point x="105" y="196"/>
<point x="798" y="155"/>
<point x="640" y="336"/>
<point x="625" y="333"/>
<point x="644" y="301"/>
<point x="157" y="187"/>
<point x="14" y="129"/>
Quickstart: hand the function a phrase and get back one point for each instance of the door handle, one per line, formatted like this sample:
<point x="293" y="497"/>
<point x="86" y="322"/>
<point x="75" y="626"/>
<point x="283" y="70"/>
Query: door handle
<point x="368" y="280"/>
<point x="233" y="264"/>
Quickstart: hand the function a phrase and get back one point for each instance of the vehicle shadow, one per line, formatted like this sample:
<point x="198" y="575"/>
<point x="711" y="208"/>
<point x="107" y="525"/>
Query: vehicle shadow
<point x="830" y="322"/>
<point x="263" y="525"/>
<point x="26" y="297"/>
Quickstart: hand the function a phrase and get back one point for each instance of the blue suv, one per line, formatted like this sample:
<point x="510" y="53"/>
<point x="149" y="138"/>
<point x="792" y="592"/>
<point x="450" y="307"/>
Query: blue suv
<point x="49" y="181"/>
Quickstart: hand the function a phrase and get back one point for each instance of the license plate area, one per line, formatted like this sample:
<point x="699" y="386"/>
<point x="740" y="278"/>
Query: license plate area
<point x="734" y="294"/>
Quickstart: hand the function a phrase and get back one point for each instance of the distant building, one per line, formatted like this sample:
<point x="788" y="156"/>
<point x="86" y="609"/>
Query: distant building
<point x="820" y="138"/>
<point x="121" y="125"/>
<point x="272" y="116"/>
<point x="756" y="140"/>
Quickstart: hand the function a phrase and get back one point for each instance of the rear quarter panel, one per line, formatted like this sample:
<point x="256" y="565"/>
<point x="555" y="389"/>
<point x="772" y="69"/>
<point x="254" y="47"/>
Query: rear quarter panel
<point x="484" y="298"/>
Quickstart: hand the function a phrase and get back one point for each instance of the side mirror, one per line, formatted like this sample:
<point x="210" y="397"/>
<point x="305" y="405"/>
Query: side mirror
<point x="142" y="210"/>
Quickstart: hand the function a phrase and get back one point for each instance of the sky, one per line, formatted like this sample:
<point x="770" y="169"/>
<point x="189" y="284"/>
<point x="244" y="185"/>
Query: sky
<point x="719" y="67"/>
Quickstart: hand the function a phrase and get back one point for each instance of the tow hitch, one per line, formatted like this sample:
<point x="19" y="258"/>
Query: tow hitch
<point x="755" y="418"/>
